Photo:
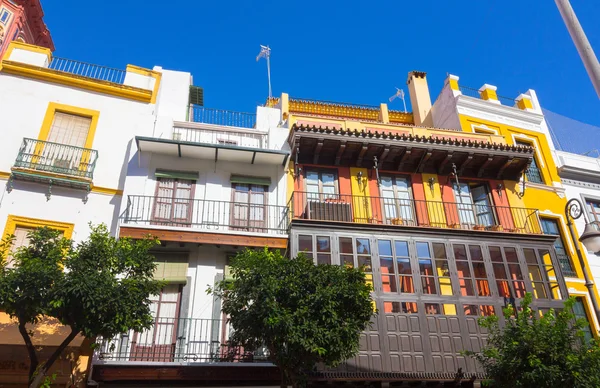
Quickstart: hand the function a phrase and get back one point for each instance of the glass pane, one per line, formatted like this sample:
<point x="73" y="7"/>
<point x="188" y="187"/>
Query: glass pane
<point x="323" y="258"/>
<point x="432" y="308"/>
<point x="483" y="287"/>
<point x="466" y="287"/>
<point x="428" y="284"/>
<point x="449" y="309"/>
<point x="499" y="271"/>
<point x="328" y="178"/>
<point x="388" y="283"/>
<point x="442" y="268"/>
<point x="347" y="260"/>
<point x="401" y="248"/>
<point x="312" y="177"/>
<point x="479" y="270"/>
<point x="535" y="275"/>
<point x="404" y="266"/>
<point x="386" y="182"/>
<point x="323" y="244"/>
<point x="426" y="267"/>
<point x="519" y="289"/>
<point x="406" y="285"/>
<point x="463" y="269"/>
<point x="409" y="307"/>
<point x="470" y="309"/>
<point x="476" y="254"/>
<point x="387" y="265"/>
<point x="402" y="184"/>
<point x="385" y="247"/>
<point x="503" y="289"/>
<point x="460" y="253"/>
<point x="555" y="291"/>
<point x="486" y="310"/>
<point x="439" y="251"/>
<point x="495" y="254"/>
<point x="305" y="243"/>
<point x="363" y="246"/>
<point x="515" y="272"/>
<point x="445" y="286"/>
<point x="366" y="262"/>
<point x="346" y="245"/>
<point x="539" y="291"/>
<point x="530" y="256"/>
<point x="392" y="307"/>
<point x="423" y="250"/>
<point x="511" y="255"/>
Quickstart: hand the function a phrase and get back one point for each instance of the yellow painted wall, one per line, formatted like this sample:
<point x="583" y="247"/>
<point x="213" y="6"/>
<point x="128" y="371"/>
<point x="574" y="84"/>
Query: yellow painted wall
<point x="549" y="201"/>
<point x="361" y="196"/>
<point x="435" y="210"/>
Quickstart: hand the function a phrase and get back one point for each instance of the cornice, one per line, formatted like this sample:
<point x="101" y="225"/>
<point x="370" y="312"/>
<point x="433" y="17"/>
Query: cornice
<point x="503" y="114"/>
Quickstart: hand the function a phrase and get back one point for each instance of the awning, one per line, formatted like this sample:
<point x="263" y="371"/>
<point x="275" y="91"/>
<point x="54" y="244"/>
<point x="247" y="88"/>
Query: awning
<point x="177" y="174"/>
<point x="250" y="180"/>
<point x="171" y="267"/>
<point x="213" y="152"/>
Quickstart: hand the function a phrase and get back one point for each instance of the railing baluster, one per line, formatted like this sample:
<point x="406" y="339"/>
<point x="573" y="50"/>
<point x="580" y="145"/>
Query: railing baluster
<point x="88" y="70"/>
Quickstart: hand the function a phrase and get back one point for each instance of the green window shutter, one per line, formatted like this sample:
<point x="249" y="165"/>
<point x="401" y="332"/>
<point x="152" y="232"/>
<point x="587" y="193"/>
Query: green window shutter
<point x="171" y="268"/>
<point x="250" y="180"/>
<point x="196" y="95"/>
<point x="190" y="175"/>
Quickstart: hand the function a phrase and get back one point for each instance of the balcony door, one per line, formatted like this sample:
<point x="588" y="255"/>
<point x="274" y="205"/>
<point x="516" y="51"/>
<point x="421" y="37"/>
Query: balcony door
<point x="68" y="156"/>
<point x="474" y="206"/>
<point x="173" y="203"/>
<point x="249" y="205"/>
<point x="396" y="200"/>
<point x="159" y="343"/>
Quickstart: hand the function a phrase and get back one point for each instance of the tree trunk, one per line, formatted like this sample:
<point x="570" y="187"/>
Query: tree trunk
<point x="283" y="379"/>
<point x="39" y="377"/>
<point x="33" y="360"/>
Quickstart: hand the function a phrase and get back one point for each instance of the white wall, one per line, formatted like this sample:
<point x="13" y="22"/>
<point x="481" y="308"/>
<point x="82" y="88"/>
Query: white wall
<point x="444" y="112"/>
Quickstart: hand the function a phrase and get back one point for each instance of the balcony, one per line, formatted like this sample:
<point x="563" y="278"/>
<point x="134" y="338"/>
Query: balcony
<point x="88" y="70"/>
<point x="205" y="214"/>
<point x="177" y="340"/>
<point x="55" y="164"/>
<point x="413" y="213"/>
<point x="475" y="93"/>
<point x="209" y="135"/>
<point x="228" y="118"/>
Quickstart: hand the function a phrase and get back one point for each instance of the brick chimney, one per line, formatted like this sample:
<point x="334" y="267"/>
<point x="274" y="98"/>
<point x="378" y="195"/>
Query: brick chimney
<point x="419" y="98"/>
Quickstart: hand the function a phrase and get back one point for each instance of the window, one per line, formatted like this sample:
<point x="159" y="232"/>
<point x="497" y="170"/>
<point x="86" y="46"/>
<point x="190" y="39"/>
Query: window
<point x="158" y="342"/>
<point x="173" y="202"/>
<point x="394" y="262"/>
<point x="551" y="226"/>
<point x="69" y="129"/>
<point x="21" y="240"/>
<point x="321" y="185"/>
<point x="542" y="274"/>
<point x="4" y="15"/>
<point x="323" y="250"/>
<point x="436" y="282"/>
<point x="396" y="200"/>
<point x="533" y="173"/>
<point x="249" y="207"/>
<point x="474" y="205"/>
<point x="509" y="277"/>
<point x="356" y="252"/>
<point x="465" y="277"/>
<point x="400" y="307"/>
<point x="580" y="313"/>
<point x="593" y="209"/>
<point x="479" y="271"/>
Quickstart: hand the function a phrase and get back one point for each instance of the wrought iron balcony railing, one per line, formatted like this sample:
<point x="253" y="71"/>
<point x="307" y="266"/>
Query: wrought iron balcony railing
<point x="410" y="212"/>
<point x="177" y="340"/>
<point x="57" y="158"/>
<point x="206" y="214"/>
<point x="228" y="118"/>
<point x="88" y="70"/>
<point x="472" y="92"/>
<point x="211" y="136"/>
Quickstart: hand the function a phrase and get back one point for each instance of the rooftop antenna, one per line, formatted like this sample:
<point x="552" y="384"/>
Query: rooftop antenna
<point x="265" y="52"/>
<point x="399" y="94"/>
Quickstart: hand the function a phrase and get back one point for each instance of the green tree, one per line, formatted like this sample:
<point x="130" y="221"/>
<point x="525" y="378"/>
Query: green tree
<point x="304" y="314"/>
<point x="100" y="287"/>
<point x="544" y="352"/>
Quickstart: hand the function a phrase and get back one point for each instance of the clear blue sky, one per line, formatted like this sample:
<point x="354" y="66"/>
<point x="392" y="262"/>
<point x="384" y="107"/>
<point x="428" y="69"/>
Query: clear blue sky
<point x="347" y="51"/>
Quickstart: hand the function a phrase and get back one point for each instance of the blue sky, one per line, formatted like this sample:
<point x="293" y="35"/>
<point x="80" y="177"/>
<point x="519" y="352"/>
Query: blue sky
<point x="347" y="51"/>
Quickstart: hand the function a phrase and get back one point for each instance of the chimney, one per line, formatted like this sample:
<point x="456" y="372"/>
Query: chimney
<point x="419" y="98"/>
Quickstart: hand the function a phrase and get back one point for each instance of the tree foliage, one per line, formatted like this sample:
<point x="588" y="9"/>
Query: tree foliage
<point x="304" y="314"/>
<point x="100" y="287"/>
<point x="533" y="351"/>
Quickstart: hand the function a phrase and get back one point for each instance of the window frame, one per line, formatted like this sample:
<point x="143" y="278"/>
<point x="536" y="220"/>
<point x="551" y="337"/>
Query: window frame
<point x="252" y="225"/>
<point x="397" y="204"/>
<point x="535" y="161"/>
<point x="54" y="107"/>
<point x="320" y="172"/>
<point x="571" y="272"/>
<point x="172" y="219"/>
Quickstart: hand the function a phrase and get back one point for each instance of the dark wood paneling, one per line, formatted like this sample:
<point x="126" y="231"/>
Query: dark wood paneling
<point x="206" y="238"/>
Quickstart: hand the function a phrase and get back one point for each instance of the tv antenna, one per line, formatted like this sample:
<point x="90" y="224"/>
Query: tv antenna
<point x="399" y="94"/>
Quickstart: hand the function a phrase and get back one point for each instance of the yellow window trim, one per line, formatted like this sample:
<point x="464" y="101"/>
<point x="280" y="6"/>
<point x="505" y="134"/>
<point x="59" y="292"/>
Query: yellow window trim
<point x="62" y="78"/>
<point x="148" y="73"/>
<point x="53" y="107"/>
<point x="13" y="222"/>
<point x="27" y="47"/>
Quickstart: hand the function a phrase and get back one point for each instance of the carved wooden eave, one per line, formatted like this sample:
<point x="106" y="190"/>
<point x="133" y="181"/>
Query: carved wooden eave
<point x="408" y="153"/>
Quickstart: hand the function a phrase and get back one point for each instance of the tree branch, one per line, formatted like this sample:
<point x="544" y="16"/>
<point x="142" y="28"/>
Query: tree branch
<point x="48" y="364"/>
<point x="33" y="360"/>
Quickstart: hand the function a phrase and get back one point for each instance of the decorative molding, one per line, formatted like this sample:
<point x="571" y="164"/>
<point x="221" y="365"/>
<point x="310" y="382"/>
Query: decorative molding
<point x="560" y="191"/>
<point x="586" y="185"/>
<point x="502" y="114"/>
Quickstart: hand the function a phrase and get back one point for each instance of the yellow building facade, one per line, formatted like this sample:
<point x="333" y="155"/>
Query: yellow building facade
<point x="520" y="121"/>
